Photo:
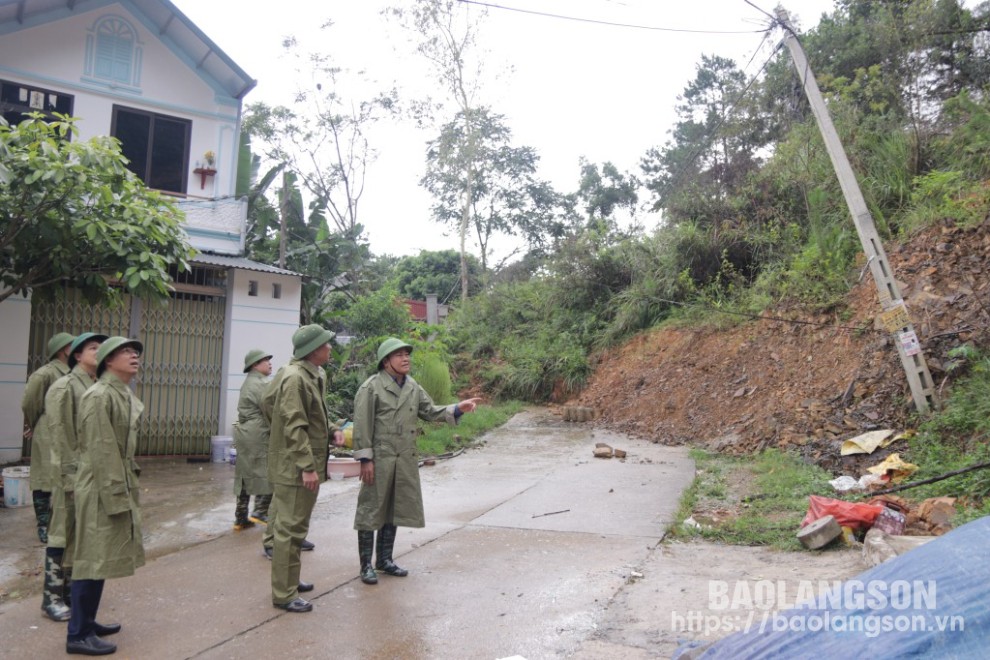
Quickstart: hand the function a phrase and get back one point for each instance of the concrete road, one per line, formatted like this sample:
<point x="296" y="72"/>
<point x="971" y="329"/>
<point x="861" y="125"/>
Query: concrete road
<point x="528" y="540"/>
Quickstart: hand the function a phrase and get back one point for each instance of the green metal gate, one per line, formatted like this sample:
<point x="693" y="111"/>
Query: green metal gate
<point x="179" y="381"/>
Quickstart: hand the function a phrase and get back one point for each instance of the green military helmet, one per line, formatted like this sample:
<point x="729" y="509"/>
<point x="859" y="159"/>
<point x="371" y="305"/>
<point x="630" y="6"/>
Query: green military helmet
<point x="81" y="341"/>
<point x="389" y="346"/>
<point x="253" y="357"/>
<point x="111" y="345"/>
<point x="57" y="343"/>
<point x="308" y="338"/>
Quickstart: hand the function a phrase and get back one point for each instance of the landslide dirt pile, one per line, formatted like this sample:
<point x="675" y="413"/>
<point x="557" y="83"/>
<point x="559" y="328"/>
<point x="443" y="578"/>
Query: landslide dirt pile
<point x="807" y="385"/>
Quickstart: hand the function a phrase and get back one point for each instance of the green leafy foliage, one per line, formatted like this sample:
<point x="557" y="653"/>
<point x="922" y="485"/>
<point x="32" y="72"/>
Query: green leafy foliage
<point x="73" y="214"/>
<point x="431" y="371"/>
<point x="378" y="314"/>
<point x="437" y="272"/>
<point x="957" y="436"/>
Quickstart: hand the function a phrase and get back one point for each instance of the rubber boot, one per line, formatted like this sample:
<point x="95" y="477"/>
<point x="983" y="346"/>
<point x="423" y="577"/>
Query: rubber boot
<point x="383" y="550"/>
<point x="260" y="513"/>
<point x="51" y="600"/>
<point x="42" y="501"/>
<point x="241" y="520"/>
<point x="366" y="542"/>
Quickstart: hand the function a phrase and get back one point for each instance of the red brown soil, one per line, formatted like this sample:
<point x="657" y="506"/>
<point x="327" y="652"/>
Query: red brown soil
<point x="809" y="385"/>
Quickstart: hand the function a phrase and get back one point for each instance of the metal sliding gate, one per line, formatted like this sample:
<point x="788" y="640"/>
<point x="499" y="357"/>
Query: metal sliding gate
<point x="179" y="381"/>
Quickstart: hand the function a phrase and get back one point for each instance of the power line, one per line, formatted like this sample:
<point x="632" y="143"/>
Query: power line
<point x="600" y="22"/>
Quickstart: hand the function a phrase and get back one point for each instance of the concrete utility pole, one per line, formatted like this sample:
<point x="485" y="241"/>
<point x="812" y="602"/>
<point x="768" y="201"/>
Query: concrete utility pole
<point x="894" y="317"/>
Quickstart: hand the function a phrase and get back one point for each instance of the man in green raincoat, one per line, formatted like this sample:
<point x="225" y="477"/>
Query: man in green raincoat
<point x="386" y="408"/>
<point x="33" y="407"/>
<point x="61" y="406"/>
<point x="297" y="457"/>
<point x="251" y="442"/>
<point x="108" y="513"/>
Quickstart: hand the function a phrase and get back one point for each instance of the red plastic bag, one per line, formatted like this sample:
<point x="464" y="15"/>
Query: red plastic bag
<point x="848" y="514"/>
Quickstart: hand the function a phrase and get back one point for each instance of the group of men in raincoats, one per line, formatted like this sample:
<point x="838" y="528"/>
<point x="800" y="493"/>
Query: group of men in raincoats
<point x="82" y="416"/>
<point x="289" y="417"/>
<point x="83" y="427"/>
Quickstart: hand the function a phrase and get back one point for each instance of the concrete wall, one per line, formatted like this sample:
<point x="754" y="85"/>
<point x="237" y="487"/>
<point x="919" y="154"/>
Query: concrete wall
<point x="15" y="328"/>
<point x="260" y="321"/>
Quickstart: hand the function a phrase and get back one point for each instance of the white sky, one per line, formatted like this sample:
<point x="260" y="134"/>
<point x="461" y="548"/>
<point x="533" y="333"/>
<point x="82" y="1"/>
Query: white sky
<point x="568" y="89"/>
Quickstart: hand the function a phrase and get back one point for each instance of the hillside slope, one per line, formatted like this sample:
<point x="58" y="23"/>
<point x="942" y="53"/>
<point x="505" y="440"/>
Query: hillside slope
<point x="806" y="385"/>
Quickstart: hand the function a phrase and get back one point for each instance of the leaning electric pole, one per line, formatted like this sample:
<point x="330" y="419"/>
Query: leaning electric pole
<point x="894" y="316"/>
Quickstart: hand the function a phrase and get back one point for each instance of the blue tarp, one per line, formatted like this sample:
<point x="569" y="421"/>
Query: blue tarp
<point x="933" y="601"/>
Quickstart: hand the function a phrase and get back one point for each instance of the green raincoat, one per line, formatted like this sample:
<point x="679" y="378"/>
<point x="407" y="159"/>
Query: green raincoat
<point x="61" y="406"/>
<point x="300" y="441"/>
<point x="33" y="406"/>
<point x="385" y="430"/>
<point x="251" y="439"/>
<point x="108" y="514"/>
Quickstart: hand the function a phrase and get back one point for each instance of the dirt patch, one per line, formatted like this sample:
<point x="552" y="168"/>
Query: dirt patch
<point x="808" y="383"/>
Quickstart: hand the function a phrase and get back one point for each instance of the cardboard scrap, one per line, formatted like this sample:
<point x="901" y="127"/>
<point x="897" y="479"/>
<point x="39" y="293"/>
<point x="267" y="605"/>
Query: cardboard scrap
<point x="865" y="443"/>
<point x="868" y="442"/>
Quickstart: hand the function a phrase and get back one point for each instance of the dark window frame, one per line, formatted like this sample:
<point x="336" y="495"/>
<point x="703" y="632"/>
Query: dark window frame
<point x="147" y="171"/>
<point x="9" y="106"/>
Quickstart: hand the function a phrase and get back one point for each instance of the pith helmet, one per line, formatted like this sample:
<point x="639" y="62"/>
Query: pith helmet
<point x="79" y="342"/>
<point x="253" y="357"/>
<point x="112" y="344"/>
<point x="57" y="343"/>
<point x="389" y="346"/>
<point x="309" y="338"/>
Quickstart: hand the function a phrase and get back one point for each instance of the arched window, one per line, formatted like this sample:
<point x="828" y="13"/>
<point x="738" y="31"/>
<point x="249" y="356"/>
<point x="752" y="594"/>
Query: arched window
<point x="114" y="52"/>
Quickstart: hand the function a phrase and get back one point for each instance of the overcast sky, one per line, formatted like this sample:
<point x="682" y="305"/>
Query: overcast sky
<point x="567" y="88"/>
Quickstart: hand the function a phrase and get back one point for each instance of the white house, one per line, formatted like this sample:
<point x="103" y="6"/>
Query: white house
<point x="141" y="71"/>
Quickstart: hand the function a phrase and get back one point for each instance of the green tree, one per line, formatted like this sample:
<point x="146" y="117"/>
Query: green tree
<point x="434" y="272"/>
<point x="71" y="213"/>
<point x="448" y="32"/>
<point x="711" y="150"/>
<point x="507" y="197"/>
<point x="322" y="137"/>
<point x="605" y="192"/>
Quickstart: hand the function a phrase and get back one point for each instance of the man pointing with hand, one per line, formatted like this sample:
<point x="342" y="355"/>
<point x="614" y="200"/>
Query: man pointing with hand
<point x="385" y="412"/>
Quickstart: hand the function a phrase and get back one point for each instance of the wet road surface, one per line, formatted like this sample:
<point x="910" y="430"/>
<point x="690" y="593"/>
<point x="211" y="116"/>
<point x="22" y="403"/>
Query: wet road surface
<point x="528" y="541"/>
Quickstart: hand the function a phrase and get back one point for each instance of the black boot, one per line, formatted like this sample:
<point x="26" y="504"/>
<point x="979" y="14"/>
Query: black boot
<point x="51" y="600"/>
<point x="383" y="548"/>
<point x="366" y="542"/>
<point x="42" y="501"/>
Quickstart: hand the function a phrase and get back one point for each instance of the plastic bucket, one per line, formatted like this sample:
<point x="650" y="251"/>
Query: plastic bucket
<point x="17" y="486"/>
<point x="220" y="448"/>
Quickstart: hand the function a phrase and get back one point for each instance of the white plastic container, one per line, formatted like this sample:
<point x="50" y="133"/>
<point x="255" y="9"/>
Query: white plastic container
<point x="220" y="447"/>
<point x="17" y="486"/>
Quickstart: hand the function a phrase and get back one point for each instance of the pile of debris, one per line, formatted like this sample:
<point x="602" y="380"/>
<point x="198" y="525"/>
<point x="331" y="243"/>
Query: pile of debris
<point x="805" y="382"/>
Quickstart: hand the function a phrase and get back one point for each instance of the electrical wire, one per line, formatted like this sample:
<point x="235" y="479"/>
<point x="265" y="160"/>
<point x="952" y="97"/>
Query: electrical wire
<point x="600" y="22"/>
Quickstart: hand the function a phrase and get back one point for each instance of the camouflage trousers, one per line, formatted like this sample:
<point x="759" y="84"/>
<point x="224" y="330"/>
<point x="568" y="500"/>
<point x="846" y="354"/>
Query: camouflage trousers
<point x="42" y="512"/>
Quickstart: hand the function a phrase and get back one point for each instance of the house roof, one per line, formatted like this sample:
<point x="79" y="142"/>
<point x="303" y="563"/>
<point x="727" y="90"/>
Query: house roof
<point x="170" y="24"/>
<point x="238" y="262"/>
